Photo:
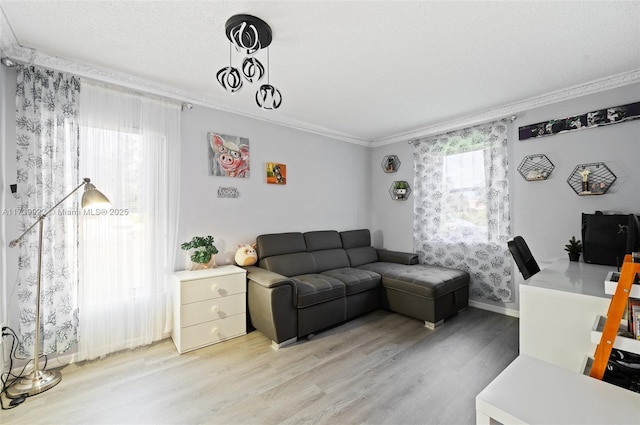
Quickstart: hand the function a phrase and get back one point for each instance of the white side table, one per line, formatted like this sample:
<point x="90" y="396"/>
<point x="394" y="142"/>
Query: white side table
<point x="209" y="306"/>
<point x="532" y="391"/>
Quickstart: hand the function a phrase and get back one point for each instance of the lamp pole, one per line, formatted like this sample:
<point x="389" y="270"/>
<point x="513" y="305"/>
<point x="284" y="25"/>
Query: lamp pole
<point x="37" y="380"/>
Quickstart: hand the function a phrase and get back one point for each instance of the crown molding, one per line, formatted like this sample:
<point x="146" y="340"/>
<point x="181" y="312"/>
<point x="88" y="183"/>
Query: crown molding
<point x="607" y="83"/>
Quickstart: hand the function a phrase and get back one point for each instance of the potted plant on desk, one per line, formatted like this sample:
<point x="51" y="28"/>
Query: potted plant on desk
<point x="574" y="248"/>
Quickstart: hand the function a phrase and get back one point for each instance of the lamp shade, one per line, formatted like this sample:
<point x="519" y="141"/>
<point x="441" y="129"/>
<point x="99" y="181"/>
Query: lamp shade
<point x="93" y="198"/>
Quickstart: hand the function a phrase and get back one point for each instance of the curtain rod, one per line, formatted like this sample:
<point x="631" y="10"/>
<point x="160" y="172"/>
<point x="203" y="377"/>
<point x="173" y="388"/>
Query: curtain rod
<point x="12" y="63"/>
<point x="510" y="118"/>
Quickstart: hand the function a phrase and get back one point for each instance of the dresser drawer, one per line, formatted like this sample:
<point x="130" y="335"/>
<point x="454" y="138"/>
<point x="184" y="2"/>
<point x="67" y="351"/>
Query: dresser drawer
<point x="203" y="334"/>
<point x="213" y="309"/>
<point x="213" y="287"/>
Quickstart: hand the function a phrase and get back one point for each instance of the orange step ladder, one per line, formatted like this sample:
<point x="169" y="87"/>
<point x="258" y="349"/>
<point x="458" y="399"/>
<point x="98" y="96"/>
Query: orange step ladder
<point x="617" y="308"/>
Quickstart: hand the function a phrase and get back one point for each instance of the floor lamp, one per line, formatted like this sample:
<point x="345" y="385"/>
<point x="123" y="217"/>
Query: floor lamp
<point x="38" y="380"/>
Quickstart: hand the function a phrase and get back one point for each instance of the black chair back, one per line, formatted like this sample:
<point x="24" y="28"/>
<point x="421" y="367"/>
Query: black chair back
<point x="523" y="257"/>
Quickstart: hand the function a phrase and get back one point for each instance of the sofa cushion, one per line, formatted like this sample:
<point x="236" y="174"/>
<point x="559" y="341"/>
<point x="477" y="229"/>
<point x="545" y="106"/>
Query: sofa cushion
<point x="355" y="280"/>
<point x="420" y="279"/>
<point x="357" y="243"/>
<point x="323" y="239"/>
<point x="289" y="264"/>
<point x="315" y="289"/>
<point x="355" y="238"/>
<point x="362" y="255"/>
<point x="329" y="259"/>
<point x="280" y="243"/>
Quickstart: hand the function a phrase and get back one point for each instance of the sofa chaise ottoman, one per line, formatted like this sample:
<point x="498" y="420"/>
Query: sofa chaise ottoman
<point x="307" y="282"/>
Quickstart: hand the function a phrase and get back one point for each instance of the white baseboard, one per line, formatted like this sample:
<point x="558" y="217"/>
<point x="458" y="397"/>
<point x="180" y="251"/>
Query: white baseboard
<point x="58" y="361"/>
<point x="495" y="308"/>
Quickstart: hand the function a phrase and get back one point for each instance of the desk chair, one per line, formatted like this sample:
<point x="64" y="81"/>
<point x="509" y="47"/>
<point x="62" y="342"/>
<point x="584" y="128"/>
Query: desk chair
<point x="523" y="257"/>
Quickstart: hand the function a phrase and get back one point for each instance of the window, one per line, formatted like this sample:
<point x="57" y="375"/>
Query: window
<point x="461" y="206"/>
<point x="465" y="212"/>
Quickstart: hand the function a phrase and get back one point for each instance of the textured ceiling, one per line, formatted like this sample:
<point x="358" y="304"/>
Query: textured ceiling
<point x="358" y="70"/>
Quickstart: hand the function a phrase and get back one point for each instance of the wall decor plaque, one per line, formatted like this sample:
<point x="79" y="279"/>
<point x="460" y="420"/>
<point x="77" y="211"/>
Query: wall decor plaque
<point x="597" y="118"/>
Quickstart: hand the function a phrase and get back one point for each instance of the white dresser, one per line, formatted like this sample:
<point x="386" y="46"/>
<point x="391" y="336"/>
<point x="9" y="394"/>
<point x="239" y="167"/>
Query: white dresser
<point x="209" y="306"/>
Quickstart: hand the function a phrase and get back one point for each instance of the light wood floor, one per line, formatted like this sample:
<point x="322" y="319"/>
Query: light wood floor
<point x="382" y="368"/>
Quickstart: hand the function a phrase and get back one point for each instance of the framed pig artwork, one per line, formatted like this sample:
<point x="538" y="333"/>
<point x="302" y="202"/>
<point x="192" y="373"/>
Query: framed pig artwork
<point x="228" y="155"/>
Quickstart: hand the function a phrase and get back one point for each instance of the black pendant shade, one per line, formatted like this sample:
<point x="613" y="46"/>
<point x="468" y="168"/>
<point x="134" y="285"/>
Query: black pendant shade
<point x="229" y="78"/>
<point x="268" y="97"/>
<point x="249" y="34"/>
<point x="252" y="69"/>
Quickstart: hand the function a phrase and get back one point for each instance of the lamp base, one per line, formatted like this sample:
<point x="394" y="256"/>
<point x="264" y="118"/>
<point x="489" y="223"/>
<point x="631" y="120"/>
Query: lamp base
<point x="34" y="383"/>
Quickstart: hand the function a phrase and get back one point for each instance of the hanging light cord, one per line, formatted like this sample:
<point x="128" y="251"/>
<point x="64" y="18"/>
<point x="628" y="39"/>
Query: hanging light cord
<point x="268" y="68"/>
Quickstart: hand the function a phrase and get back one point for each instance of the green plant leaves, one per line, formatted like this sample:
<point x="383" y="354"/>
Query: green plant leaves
<point x="574" y="246"/>
<point x="204" y="247"/>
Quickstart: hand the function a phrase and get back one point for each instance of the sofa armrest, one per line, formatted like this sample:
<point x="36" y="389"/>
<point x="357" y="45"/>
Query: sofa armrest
<point x="271" y="304"/>
<point x="397" y="257"/>
<point x="267" y="278"/>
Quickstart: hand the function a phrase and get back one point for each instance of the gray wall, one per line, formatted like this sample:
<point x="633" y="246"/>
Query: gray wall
<point x="328" y="183"/>
<point x="8" y="222"/>
<point x="546" y="213"/>
<point x="3" y="234"/>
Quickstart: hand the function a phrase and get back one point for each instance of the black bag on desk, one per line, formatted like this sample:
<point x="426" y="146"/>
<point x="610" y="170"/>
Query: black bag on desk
<point x="604" y="238"/>
<point x="623" y="370"/>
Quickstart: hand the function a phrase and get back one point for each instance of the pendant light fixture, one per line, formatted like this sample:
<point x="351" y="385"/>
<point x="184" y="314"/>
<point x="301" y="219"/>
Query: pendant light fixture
<point x="249" y="34"/>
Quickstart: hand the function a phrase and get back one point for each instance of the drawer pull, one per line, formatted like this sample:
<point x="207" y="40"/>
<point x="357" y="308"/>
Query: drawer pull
<point x="215" y="331"/>
<point x="215" y="309"/>
<point x="214" y="287"/>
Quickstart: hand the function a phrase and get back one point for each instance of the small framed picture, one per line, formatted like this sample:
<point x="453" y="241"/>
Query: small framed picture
<point x="276" y="173"/>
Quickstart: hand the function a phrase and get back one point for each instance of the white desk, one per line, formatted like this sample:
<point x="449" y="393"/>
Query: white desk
<point x="531" y="391"/>
<point x="557" y="308"/>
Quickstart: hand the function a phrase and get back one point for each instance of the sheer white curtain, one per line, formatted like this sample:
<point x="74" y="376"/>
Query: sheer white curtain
<point x="129" y="148"/>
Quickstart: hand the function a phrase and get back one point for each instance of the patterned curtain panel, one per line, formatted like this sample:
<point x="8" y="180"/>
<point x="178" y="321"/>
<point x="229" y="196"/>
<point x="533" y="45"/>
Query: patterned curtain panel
<point x="47" y="170"/>
<point x="461" y="206"/>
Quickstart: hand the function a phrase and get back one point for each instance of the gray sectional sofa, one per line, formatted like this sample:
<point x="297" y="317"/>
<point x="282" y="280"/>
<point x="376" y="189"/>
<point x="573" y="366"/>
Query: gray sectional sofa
<point x="306" y="282"/>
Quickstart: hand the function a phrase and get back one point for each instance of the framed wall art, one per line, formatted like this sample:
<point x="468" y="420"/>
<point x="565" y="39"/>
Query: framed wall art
<point x="228" y="155"/>
<point x="276" y="173"/>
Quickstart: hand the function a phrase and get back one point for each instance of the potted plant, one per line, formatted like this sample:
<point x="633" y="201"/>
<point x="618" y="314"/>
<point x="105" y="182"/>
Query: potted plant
<point x="204" y="255"/>
<point x="574" y="248"/>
